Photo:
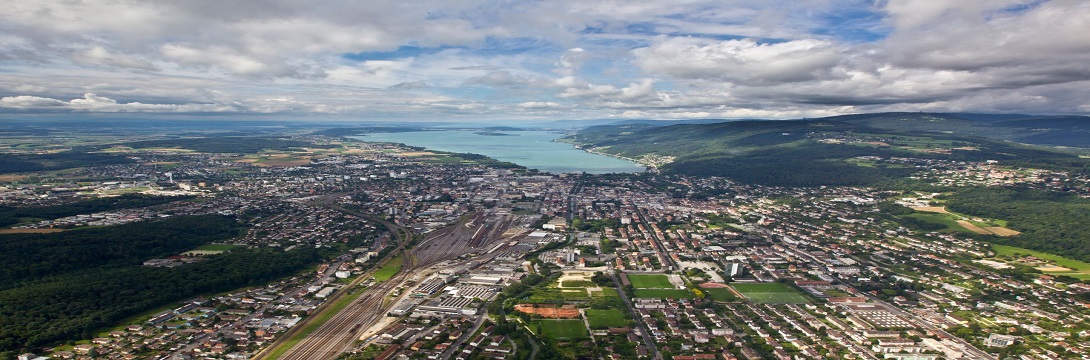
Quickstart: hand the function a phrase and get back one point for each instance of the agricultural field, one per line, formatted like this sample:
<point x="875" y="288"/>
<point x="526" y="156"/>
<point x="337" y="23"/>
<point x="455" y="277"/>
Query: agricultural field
<point x="603" y="319"/>
<point x="962" y="223"/>
<point x="561" y="329"/>
<point x="664" y="293"/>
<point x="942" y="219"/>
<point x="771" y="293"/>
<point x="650" y="281"/>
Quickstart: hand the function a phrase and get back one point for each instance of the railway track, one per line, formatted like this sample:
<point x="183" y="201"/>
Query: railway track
<point x="339" y="333"/>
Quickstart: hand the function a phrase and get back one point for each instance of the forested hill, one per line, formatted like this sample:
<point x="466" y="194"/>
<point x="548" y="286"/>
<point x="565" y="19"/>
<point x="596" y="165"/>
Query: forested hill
<point x="1051" y="130"/>
<point x="822" y="151"/>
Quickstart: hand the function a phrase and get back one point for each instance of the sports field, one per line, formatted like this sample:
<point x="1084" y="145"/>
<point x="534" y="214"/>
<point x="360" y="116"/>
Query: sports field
<point x="602" y="319"/>
<point x="720" y="294"/>
<point x="561" y="329"/>
<point x="650" y="281"/>
<point x="771" y="293"/>
<point x="664" y="293"/>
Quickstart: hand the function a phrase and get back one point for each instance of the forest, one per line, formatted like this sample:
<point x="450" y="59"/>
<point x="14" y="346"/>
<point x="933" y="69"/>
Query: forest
<point x="64" y="285"/>
<point x="127" y="201"/>
<point x="73" y="305"/>
<point x="810" y="164"/>
<point x="1051" y="222"/>
<point x="35" y="256"/>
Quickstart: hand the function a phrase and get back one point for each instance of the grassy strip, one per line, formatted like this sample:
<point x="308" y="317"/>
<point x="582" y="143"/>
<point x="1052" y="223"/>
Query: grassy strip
<point x="1082" y="269"/>
<point x="217" y="247"/>
<point x="389" y="269"/>
<point x="320" y="319"/>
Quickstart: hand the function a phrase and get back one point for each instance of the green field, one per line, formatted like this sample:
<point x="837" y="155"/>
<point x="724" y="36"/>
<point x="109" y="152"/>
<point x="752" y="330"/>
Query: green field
<point x="387" y="271"/>
<point x="771" y="293"/>
<point x="577" y="284"/>
<point x="561" y="329"/>
<point x="216" y="247"/>
<point x="552" y="295"/>
<point x="664" y="293"/>
<point x="1081" y="269"/>
<point x="606" y="292"/>
<point x="650" y="281"/>
<point x="603" y="319"/>
<point x="720" y="295"/>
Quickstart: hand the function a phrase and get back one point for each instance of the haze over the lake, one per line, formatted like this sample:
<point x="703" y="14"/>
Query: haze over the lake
<point x="439" y="60"/>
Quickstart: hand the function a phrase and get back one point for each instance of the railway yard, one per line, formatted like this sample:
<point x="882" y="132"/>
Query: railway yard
<point x="476" y="238"/>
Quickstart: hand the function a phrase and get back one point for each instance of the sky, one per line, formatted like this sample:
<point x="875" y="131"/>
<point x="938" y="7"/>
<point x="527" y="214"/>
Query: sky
<point x="507" y="60"/>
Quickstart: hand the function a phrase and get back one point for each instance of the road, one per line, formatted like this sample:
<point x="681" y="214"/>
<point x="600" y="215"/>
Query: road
<point x="664" y="258"/>
<point x="449" y="352"/>
<point x="647" y="340"/>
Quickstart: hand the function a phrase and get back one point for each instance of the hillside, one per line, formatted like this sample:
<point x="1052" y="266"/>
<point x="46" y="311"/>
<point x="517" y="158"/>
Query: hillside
<point x="825" y="151"/>
<point x="1072" y="131"/>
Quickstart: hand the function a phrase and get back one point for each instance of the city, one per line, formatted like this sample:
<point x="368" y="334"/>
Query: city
<point x="442" y="257"/>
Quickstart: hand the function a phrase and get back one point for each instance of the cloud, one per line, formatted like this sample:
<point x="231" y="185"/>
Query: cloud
<point x="94" y="103"/>
<point x="98" y="55"/>
<point x="504" y="79"/>
<point x="539" y="105"/>
<point x="410" y="85"/>
<point x="744" y="61"/>
<point x="594" y="59"/>
<point x="477" y="67"/>
<point x="571" y="61"/>
<point x="30" y="102"/>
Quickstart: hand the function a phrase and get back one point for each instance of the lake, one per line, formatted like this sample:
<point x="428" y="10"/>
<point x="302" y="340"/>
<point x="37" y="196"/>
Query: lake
<point x="532" y="149"/>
